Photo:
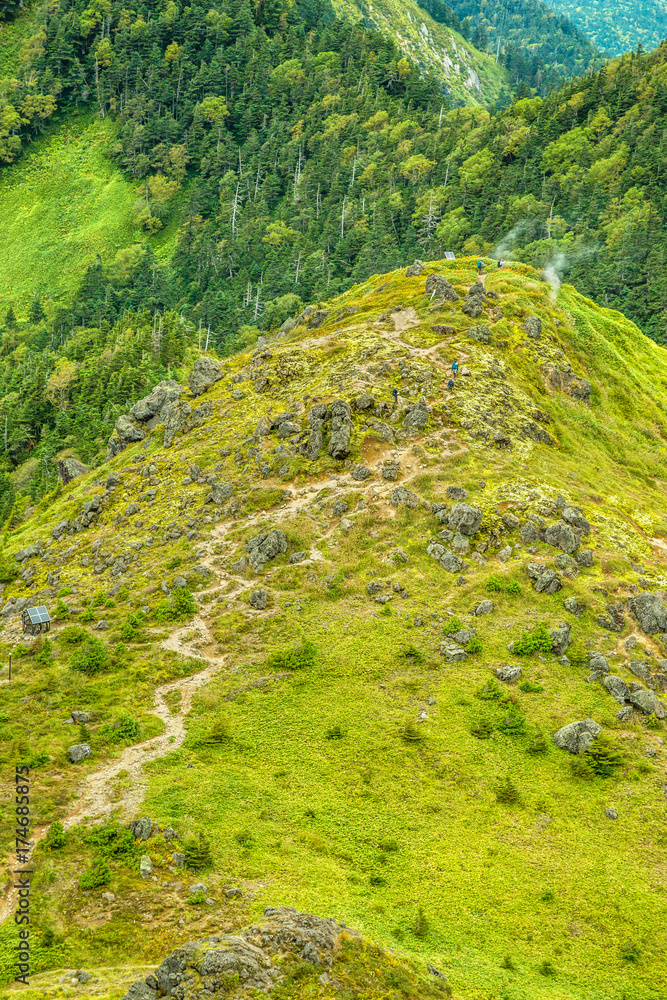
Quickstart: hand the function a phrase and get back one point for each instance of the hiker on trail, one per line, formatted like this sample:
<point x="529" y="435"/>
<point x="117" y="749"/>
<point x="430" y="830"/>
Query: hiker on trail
<point x="394" y="393"/>
<point x="480" y="266"/>
<point x="455" y="368"/>
<point x="450" y="385"/>
<point x="501" y="262"/>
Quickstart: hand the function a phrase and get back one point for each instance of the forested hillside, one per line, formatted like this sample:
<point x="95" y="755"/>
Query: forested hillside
<point x="540" y="49"/>
<point x="617" y="26"/>
<point x="292" y="154"/>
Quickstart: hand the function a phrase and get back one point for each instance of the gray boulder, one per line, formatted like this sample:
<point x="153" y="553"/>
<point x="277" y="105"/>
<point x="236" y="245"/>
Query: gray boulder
<point x="360" y="473"/>
<point x="463" y="636"/>
<point x="60" y="529"/>
<point x="614" y="620"/>
<point x="79" y="752"/>
<point x="81" y="718"/>
<point x="141" y="829"/>
<point x="174" y="416"/>
<point x="505" y="553"/>
<point x="71" y="468"/>
<point x="414" y="270"/>
<point x="575" y="517"/>
<point x="480" y="334"/>
<point x="416" y="418"/>
<point x="364" y="402"/>
<point x="339" y="508"/>
<point x="127" y="431"/>
<point x="465" y="519"/>
<point x="145" y="866"/>
<point x="625" y="714"/>
<point x="639" y="669"/>
<point x="150" y="406"/>
<point x="341" y="430"/>
<point x="437" y="285"/>
<point x="572" y="605"/>
<point x="402" y="497"/>
<point x="547" y="583"/>
<point x="511" y="522"/>
<point x="452" y="652"/>
<point x="577" y="736"/>
<point x="532" y="327"/>
<point x="649" y="611"/>
<point x="258" y="600"/>
<point x="206" y="372"/>
<point x="561" y="536"/>
<point x="141" y="991"/>
<point x="220" y="493"/>
<point x="598" y="663"/>
<point x="611" y="813"/>
<point x="484" y="608"/>
<point x="584" y="558"/>
<point x="508" y="674"/>
<point x="445" y="557"/>
<point x="647" y="703"/>
<point x="266" y="546"/>
<point x="560" y="639"/>
<point x="457" y="493"/>
<point x="617" y="688"/>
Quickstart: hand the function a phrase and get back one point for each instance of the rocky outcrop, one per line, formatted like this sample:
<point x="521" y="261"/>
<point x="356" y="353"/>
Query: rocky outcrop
<point x="71" y="468"/>
<point x="577" y="736"/>
<point x="205" y="373"/>
<point x="253" y="958"/>
<point x="650" y="612"/>
<point x="341" y="430"/>
<point x="437" y="287"/>
<point x="266" y="546"/>
<point x="562" y="378"/>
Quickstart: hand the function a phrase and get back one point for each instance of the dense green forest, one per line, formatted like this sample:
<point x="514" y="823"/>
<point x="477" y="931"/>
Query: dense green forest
<point x="540" y="48"/>
<point x="301" y="154"/>
<point x="618" y="26"/>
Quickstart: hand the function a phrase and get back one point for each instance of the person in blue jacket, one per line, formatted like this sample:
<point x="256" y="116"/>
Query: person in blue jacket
<point x="455" y="368"/>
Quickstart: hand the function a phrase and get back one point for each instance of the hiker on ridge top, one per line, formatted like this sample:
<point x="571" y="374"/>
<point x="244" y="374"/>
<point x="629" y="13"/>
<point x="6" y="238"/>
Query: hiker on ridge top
<point x="455" y="368"/>
<point x="480" y="267"/>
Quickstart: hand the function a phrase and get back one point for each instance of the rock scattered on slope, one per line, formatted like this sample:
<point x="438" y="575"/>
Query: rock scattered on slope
<point x="577" y="736"/>
<point x="265" y="546"/>
<point x="650" y="612"/>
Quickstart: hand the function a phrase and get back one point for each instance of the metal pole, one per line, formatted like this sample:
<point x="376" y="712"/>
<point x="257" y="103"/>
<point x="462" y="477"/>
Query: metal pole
<point x="10" y="666"/>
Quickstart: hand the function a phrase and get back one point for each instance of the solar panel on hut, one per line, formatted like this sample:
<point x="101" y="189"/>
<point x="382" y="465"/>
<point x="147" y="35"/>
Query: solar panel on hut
<point x="449" y="255"/>
<point x="36" y="620"/>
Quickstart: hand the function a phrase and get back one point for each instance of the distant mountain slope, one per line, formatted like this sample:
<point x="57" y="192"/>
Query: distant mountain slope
<point x="538" y="47"/>
<point x="616" y="26"/>
<point x="470" y="76"/>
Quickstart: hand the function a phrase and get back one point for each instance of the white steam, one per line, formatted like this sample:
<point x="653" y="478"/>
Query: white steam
<point x="553" y="272"/>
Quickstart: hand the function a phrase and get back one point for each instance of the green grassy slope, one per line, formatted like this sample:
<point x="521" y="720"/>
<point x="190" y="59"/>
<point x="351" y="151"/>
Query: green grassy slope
<point x="73" y="202"/>
<point x="471" y="76"/>
<point x="377" y="781"/>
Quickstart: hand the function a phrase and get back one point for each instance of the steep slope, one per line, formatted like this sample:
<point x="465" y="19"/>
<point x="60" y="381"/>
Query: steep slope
<point x="334" y="719"/>
<point x="468" y="75"/>
<point x="620" y="26"/>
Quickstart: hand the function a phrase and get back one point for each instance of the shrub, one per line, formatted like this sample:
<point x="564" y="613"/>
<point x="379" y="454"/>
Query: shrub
<point x="508" y="963"/>
<point x="412" y="653"/>
<point x="73" y="634"/>
<point x="494" y="585"/>
<point x="514" y="723"/>
<point x="474" y="646"/>
<point x="197" y="853"/>
<point x="492" y="691"/>
<point x="335" y="732"/>
<point x="180" y="608"/>
<point x="411" y="733"/>
<point x="547" y="968"/>
<point x="513" y="589"/>
<point x="92" y="658"/>
<point x="97" y="875"/>
<point x="507" y="793"/>
<point x="653" y="722"/>
<point x="538" y="743"/>
<point x="453" y="625"/>
<point x="537" y="640"/>
<point x="631" y="952"/>
<point x="483" y="728"/>
<point x="88" y="615"/>
<point x="529" y="688"/>
<point x="245" y="838"/>
<point x="581" y="768"/>
<point x="602" y="756"/>
<point x="64" y="591"/>
<point x="131" y="627"/>
<point x="197" y="898"/>
<point x="62" y="611"/>
<point x="220" y="731"/>
<point x="9" y="571"/>
<point x="420" y="927"/>
<point x="113" y="840"/>
<point x="124" y="729"/>
<point x="547" y="896"/>
<point x="45" y="655"/>
<point x="296" y="658"/>
<point x="56" y="838"/>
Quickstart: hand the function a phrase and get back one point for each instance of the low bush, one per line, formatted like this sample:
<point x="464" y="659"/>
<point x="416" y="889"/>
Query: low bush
<point x="412" y="653"/>
<point x="91" y="658"/>
<point x="113" y="840"/>
<point x="537" y="640"/>
<point x="411" y="733"/>
<point x="73" y="634"/>
<point x="180" y="607"/>
<point x="124" y="729"/>
<point x="529" y="688"/>
<point x="98" y="874"/>
<point x="537" y="743"/>
<point x="492" y="691"/>
<point x="420" y="928"/>
<point x="56" y="838"/>
<point x="131" y="629"/>
<point x="482" y="728"/>
<point x="507" y="793"/>
<point x="603" y="756"/>
<point x="474" y="646"/>
<point x="197" y="853"/>
<point x="513" y="589"/>
<point x="451" y="626"/>
<point x="494" y="585"/>
<point x="297" y="658"/>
